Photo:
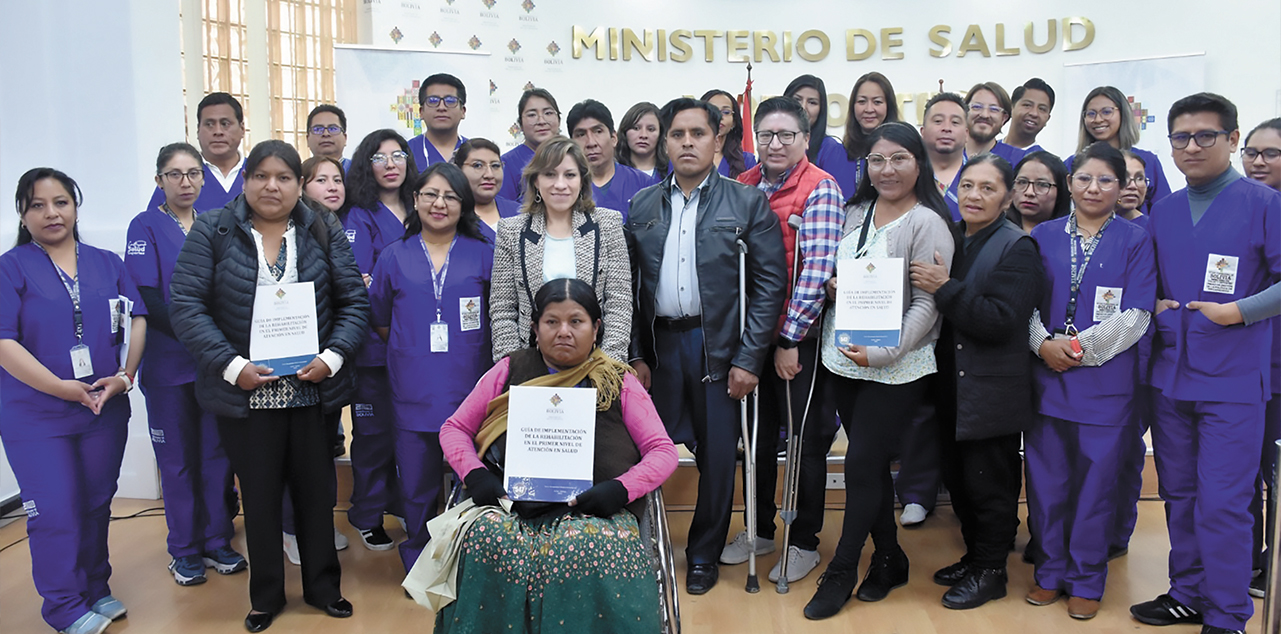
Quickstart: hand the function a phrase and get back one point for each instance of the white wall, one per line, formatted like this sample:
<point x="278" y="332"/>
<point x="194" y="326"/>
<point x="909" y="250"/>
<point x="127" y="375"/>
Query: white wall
<point x="93" y="89"/>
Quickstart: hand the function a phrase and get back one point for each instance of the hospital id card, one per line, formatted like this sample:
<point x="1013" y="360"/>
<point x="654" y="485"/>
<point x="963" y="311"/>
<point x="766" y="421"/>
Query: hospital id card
<point x="1221" y="274"/>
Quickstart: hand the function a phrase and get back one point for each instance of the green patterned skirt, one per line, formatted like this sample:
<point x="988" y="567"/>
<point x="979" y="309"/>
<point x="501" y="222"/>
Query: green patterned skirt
<point x="567" y="574"/>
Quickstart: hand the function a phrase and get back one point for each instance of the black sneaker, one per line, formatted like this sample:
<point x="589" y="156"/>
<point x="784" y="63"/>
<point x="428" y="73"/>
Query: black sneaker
<point x="834" y="590"/>
<point x="1259" y="585"/>
<point x="886" y="572"/>
<point x="1165" y="610"/>
<point x="376" y="539"/>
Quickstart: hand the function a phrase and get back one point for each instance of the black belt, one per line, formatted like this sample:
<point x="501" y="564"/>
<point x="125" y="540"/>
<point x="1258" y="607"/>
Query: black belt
<point x="679" y="324"/>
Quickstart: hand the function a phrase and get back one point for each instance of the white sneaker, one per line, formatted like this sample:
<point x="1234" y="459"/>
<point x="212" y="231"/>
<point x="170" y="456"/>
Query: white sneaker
<point x="800" y="562"/>
<point x="736" y="552"/>
<point x="340" y="540"/>
<point x="291" y="549"/>
<point x="913" y="514"/>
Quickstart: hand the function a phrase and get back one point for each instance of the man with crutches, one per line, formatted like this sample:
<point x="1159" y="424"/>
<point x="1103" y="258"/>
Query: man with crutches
<point x="688" y="345"/>
<point x="808" y="204"/>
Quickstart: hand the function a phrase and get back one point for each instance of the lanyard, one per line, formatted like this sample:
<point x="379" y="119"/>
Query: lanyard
<point x="438" y="280"/>
<point x="862" y="236"/>
<point x="165" y="207"/>
<point x="1078" y="274"/>
<point x="73" y="290"/>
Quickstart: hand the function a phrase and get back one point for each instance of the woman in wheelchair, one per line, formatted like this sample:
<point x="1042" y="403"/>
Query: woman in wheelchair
<point x="574" y="567"/>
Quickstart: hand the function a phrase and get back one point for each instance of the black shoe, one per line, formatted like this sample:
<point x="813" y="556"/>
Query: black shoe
<point x="834" y="590"/>
<point x="701" y="578"/>
<point x="886" y="572"/>
<point x="1210" y="629"/>
<point x="1259" y="585"/>
<point x="258" y="621"/>
<point x="979" y="586"/>
<point x="339" y="609"/>
<point x="1165" y="610"/>
<point x="952" y="574"/>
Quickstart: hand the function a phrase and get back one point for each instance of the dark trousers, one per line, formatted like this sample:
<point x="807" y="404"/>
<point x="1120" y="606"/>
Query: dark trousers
<point x="1267" y="477"/>
<point x="820" y="430"/>
<point x="918" y="462"/>
<point x="272" y="449"/>
<point x="874" y="415"/>
<point x="980" y="474"/>
<point x="333" y="420"/>
<point x="701" y="413"/>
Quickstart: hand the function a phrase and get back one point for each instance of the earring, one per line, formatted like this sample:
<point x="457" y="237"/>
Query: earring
<point x="538" y="197"/>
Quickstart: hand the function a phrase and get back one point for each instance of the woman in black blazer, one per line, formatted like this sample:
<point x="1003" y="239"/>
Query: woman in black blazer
<point x="271" y="425"/>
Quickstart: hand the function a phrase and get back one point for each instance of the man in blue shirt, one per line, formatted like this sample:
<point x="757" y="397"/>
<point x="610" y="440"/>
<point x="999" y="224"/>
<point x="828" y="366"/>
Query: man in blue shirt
<point x="1033" y="103"/>
<point x="327" y="133"/>
<point x="442" y="106"/>
<point x="613" y="185"/>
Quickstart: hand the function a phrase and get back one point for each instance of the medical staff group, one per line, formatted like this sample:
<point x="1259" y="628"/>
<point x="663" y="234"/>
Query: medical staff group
<point x="1061" y="307"/>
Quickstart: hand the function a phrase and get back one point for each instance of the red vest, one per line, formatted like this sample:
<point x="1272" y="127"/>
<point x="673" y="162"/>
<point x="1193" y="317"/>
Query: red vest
<point x="789" y="201"/>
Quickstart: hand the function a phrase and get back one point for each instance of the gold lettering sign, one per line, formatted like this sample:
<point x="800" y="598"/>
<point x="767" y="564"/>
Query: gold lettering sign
<point x="814" y="45"/>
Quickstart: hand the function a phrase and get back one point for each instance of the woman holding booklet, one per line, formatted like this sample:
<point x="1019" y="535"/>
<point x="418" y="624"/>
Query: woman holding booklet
<point x="271" y="420"/>
<point x="578" y="564"/>
<point x="895" y="217"/>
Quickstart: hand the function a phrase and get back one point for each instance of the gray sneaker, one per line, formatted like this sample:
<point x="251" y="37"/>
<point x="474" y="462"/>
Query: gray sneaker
<point x="800" y="562"/>
<point x="736" y="552"/>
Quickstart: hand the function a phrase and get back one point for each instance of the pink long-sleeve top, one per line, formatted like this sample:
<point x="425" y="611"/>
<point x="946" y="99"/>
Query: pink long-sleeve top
<point x="658" y="454"/>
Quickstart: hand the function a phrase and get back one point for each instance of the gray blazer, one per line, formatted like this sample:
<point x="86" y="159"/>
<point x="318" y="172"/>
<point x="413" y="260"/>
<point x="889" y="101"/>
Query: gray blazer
<point x="600" y="257"/>
<point x="916" y="238"/>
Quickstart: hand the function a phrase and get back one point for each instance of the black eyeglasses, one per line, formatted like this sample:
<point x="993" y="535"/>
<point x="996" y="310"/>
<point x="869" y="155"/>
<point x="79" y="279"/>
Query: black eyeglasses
<point x="1204" y="138"/>
<point x="1041" y="187"/>
<point x="332" y="128"/>
<point x="450" y="101"/>
<point x="1137" y="180"/>
<point x="1270" y="155"/>
<point x="175" y="176"/>
<point x="785" y="137"/>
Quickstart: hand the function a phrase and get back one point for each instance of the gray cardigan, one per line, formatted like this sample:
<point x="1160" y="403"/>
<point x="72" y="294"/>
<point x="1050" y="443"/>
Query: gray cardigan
<point x="917" y="236"/>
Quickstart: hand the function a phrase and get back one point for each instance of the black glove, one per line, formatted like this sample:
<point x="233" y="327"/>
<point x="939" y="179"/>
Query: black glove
<point x="485" y="487"/>
<point x="602" y="500"/>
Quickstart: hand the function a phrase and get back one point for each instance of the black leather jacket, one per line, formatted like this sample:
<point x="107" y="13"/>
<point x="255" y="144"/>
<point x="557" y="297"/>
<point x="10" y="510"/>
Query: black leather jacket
<point x="727" y="211"/>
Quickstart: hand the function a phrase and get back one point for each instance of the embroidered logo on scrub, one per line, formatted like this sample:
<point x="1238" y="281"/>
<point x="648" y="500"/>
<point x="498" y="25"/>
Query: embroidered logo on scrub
<point x="29" y="506"/>
<point x="363" y="410"/>
<point x="137" y="247"/>
<point x="351" y="235"/>
<point x="157" y="436"/>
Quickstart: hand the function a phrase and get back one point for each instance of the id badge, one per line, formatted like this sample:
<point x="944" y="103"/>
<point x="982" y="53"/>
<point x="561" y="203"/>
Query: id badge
<point x="439" y="337"/>
<point x="114" y="305"/>
<point x="1221" y="274"/>
<point x="81" y="362"/>
<point x="1107" y="302"/>
<point x="469" y="313"/>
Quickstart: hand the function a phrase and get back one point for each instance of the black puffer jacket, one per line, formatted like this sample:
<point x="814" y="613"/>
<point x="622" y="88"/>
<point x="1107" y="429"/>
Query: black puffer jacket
<point x="213" y="296"/>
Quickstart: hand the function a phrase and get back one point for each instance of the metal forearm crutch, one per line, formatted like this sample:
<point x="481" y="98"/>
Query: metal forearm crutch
<point x="749" y="439"/>
<point x="1271" y="615"/>
<point x="792" y="462"/>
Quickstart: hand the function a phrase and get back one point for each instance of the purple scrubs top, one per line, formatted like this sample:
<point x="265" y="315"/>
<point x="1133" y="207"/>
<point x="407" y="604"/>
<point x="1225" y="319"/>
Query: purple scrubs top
<point x="749" y="161"/>
<point x="1123" y="266"/>
<point x="151" y="252"/>
<point x="426" y="386"/>
<point x="36" y="311"/>
<point x="212" y="195"/>
<point x="514" y="162"/>
<point x="369" y="232"/>
<point x="833" y="159"/>
<point x="1233" y="252"/>
<point x="1011" y="153"/>
<point x="617" y="194"/>
<point x="1160" y="188"/>
<point x="426" y="154"/>
<point x="506" y="209"/>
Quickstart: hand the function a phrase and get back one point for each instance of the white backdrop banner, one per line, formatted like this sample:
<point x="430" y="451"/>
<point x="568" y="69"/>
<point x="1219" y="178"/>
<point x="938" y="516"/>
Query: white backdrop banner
<point x="378" y="88"/>
<point x="1152" y="85"/>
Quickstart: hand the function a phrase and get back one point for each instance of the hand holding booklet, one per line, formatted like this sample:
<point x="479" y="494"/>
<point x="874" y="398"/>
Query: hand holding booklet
<point x="284" y="335"/>
<point x="551" y="443"/>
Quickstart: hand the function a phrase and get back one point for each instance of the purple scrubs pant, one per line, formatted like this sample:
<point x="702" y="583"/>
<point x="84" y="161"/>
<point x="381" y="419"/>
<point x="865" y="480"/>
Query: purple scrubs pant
<point x="1072" y="472"/>
<point x="373" y="455"/>
<point x="1205" y="463"/>
<point x="67" y="484"/>
<point x="421" y="478"/>
<point x="1129" y="484"/>
<point x="194" y="470"/>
